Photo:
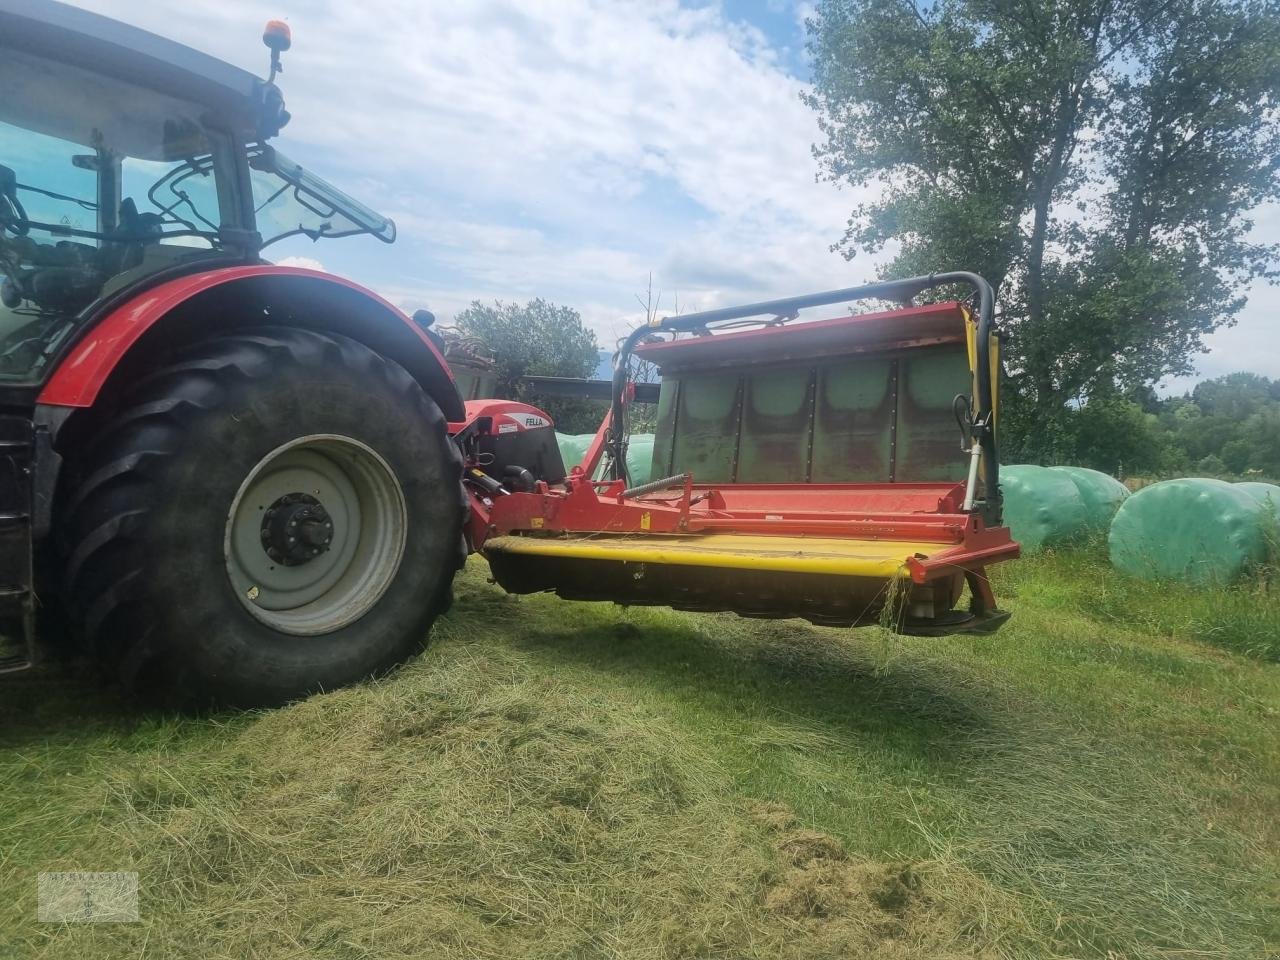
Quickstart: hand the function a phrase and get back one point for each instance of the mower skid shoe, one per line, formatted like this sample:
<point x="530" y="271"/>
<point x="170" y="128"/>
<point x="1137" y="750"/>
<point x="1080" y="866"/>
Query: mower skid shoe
<point x="972" y="623"/>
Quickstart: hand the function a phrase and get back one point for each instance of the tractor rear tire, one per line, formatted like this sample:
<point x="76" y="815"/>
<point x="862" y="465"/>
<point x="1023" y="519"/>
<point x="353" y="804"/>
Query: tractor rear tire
<point x="188" y="575"/>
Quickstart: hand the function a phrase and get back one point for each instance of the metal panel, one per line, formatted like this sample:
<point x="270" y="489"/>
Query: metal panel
<point x="928" y="445"/>
<point x="895" y="370"/>
<point x="861" y="419"/>
<point x="708" y="415"/>
<point x="774" y="445"/>
<point x="665" y="430"/>
<point x="853" y="421"/>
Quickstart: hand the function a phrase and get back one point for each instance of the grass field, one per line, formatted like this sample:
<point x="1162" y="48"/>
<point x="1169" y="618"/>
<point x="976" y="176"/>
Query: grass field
<point x="555" y="780"/>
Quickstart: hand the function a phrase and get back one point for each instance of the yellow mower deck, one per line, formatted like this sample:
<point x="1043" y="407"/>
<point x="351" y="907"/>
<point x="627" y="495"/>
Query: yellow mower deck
<point x="831" y="581"/>
<point x="817" y="555"/>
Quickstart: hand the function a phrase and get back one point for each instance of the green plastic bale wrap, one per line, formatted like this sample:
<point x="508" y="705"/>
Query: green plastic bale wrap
<point x="1102" y="495"/>
<point x="1042" y="507"/>
<point x="1264" y="493"/>
<point x="1193" y="529"/>
<point x="573" y="447"/>
<point x="640" y="459"/>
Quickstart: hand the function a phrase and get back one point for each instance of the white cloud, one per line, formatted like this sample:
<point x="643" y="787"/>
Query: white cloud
<point x="805" y="11"/>
<point x="557" y="147"/>
<point x="1253" y="343"/>
<point x="307" y="263"/>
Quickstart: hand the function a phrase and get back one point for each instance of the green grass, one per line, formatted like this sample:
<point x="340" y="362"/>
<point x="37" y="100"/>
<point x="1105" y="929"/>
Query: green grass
<point x="1243" y="617"/>
<point x="557" y="780"/>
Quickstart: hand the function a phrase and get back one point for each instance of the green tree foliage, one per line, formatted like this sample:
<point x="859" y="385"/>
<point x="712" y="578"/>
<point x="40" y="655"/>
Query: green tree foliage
<point x="534" y="339"/>
<point x="1211" y="466"/>
<point x="1228" y="426"/>
<point x="539" y="339"/>
<point x="1116" y="435"/>
<point x="1095" y="160"/>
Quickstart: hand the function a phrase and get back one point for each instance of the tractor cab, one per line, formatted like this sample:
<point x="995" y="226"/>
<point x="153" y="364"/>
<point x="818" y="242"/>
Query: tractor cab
<point x="125" y="159"/>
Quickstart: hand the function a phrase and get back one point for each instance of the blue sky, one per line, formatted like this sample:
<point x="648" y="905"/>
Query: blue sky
<point x="570" y="149"/>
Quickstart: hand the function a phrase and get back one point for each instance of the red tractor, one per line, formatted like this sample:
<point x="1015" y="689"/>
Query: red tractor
<point x="239" y="483"/>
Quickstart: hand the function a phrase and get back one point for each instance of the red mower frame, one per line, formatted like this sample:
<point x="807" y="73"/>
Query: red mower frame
<point x="597" y="499"/>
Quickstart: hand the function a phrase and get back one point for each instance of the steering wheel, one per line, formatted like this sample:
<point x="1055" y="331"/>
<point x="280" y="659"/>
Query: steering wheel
<point x="13" y="217"/>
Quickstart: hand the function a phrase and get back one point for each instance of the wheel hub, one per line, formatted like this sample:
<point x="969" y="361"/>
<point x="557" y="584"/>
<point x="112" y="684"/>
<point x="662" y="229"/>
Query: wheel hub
<point x="296" y="529"/>
<point x="315" y="534"/>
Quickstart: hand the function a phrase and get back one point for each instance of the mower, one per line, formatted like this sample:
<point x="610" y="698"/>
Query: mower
<point x="808" y="470"/>
<point x="233" y="482"/>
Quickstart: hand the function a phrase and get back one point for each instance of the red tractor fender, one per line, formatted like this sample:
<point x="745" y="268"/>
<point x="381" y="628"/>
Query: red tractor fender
<point x="508" y="416"/>
<point x="193" y="306"/>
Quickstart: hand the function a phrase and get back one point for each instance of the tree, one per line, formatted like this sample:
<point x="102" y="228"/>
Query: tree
<point x="1115" y="435"/>
<point x="1235" y="454"/>
<point x="1237" y="395"/>
<point x="1230" y="424"/>
<point x="1212" y="466"/>
<point x="537" y="339"/>
<point x="1095" y="160"/>
<point x="1262" y="432"/>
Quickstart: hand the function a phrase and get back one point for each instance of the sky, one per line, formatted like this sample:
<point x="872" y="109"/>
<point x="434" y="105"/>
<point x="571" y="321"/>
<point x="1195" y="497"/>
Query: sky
<point x="574" y="149"/>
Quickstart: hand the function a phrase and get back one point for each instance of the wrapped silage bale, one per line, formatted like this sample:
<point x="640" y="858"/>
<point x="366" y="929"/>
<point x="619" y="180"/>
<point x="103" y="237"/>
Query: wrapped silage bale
<point x="573" y="447"/>
<point x="1193" y="529"/>
<point x="1264" y="493"/>
<point x="640" y="459"/>
<point x="1042" y="507"/>
<point x="1102" y="495"/>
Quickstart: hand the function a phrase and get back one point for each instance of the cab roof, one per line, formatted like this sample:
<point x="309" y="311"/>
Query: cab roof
<point x="88" y="40"/>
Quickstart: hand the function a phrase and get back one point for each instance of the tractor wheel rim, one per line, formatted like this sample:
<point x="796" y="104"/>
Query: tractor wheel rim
<point x="315" y="535"/>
